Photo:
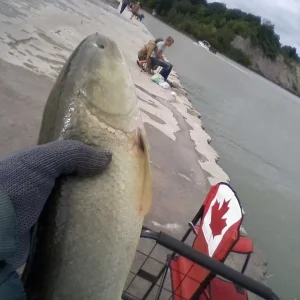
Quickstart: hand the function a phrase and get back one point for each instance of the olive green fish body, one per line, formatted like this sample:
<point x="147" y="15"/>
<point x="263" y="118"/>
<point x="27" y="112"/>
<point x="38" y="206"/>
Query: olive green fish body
<point x="90" y="228"/>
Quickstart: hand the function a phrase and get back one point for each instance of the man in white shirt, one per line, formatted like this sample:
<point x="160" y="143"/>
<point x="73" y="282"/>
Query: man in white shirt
<point x="157" y="57"/>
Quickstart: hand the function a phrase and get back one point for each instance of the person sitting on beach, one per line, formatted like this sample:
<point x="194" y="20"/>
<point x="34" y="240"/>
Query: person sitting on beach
<point x="158" y="59"/>
<point x="135" y="10"/>
<point x="145" y="53"/>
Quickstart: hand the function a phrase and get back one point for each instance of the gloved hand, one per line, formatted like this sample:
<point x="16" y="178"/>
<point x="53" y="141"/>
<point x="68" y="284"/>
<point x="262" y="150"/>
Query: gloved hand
<point x="26" y="181"/>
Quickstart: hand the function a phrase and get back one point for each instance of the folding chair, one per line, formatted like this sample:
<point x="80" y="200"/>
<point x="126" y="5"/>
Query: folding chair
<point x="149" y="67"/>
<point x="216" y="235"/>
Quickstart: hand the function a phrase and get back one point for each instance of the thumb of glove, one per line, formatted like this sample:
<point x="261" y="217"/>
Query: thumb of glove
<point x="67" y="157"/>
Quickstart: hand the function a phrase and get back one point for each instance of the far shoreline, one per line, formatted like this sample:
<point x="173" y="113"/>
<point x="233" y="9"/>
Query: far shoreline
<point x="195" y="40"/>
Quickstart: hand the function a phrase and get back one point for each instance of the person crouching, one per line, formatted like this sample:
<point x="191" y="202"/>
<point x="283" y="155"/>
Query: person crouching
<point x="158" y="59"/>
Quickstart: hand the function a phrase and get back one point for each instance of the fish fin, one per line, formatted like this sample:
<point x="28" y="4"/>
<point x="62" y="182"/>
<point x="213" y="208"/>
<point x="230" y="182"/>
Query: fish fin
<point x="147" y="192"/>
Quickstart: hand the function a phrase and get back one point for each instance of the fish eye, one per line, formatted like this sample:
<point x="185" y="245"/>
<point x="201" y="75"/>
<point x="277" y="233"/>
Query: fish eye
<point x="99" y="46"/>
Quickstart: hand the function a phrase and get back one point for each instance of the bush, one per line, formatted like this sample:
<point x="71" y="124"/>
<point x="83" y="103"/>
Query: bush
<point x="239" y="56"/>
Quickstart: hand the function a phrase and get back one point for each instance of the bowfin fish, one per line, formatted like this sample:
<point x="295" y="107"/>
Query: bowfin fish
<point x="90" y="227"/>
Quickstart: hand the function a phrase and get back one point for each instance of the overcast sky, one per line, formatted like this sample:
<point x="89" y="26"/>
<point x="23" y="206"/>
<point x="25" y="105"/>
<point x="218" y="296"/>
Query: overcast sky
<point x="285" y="14"/>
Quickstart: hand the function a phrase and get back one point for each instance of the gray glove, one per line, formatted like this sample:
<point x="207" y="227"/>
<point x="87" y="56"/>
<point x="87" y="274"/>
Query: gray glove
<point x="27" y="178"/>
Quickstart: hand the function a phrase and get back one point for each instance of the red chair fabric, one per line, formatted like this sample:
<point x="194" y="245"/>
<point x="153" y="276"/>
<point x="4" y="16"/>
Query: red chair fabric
<point x="244" y="246"/>
<point x="218" y="232"/>
<point x="220" y="289"/>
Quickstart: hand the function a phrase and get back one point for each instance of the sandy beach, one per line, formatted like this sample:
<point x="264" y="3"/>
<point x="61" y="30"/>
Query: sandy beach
<point x="36" y="38"/>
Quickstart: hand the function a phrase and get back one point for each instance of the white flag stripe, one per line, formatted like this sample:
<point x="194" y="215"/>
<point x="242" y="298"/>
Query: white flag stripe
<point x="233" y="215"/>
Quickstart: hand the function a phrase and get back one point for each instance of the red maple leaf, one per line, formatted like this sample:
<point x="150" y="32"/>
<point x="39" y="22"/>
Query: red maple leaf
<point x="217" y="223"/>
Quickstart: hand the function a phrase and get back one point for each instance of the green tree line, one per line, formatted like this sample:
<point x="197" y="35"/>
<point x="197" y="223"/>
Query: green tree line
<point x="219" y="25"/>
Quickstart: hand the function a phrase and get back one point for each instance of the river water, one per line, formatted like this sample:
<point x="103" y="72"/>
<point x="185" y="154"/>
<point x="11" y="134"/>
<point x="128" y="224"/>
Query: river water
<point x="254" y="127"/>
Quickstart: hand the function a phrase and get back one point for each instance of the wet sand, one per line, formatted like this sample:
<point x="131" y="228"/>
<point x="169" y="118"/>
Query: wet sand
<point x="36" y="38"/>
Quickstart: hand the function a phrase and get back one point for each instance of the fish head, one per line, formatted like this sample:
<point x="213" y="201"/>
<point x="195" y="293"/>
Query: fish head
<point x="105" y="84"/>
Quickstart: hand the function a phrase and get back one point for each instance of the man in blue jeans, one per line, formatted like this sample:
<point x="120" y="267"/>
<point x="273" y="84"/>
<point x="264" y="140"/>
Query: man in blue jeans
<point x="157" y="57"/>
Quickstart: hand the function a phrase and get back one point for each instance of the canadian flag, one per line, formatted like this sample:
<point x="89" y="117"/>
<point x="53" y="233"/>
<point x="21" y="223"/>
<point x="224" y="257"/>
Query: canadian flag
<point x="223" y="213"/>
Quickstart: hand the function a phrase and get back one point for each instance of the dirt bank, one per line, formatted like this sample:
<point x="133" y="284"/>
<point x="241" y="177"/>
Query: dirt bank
<point x="285" y="74"/>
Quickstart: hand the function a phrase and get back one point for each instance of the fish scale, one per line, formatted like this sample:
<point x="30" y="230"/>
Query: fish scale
<point x="89" y="230"/>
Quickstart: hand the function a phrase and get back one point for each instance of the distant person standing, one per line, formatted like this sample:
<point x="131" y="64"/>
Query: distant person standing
<point x="135" y="10"/>
<point x="124" y="5"/>
<point x="158" y="59"/>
